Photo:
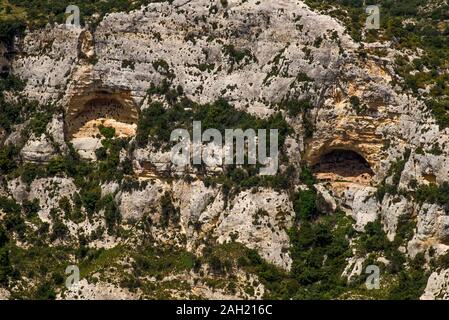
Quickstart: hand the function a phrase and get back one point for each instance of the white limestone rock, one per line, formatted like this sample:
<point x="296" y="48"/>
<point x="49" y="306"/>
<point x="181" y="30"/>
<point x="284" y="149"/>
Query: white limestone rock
<point x="353" y="268"/>
<point x="135" y="203"/>
<point x="84" y="290"/>
<point x="16" y="137"/>
<point x="55" y="129"/>
<point x="38" y="149"/>
<point x="192" y="198"/>
<point x="362" y="204"/>
<point x="437" y="287"/>
<point x="393" y="207"/>
<point x="86" y="147"/>
<point x="325" y="202"/>
<point x="4" y="294"/>
<point x="259" y="220"/>
<point x="18" y="190"/>
<point x="279" y="34"/>
<point x="432" y="222"/>
<point x="49" y="192"/>
<point x="109" y="188"/>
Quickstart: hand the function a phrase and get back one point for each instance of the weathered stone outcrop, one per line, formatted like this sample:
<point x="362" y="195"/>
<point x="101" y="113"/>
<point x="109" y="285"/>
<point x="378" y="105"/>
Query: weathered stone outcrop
<point x="437" y="286"/>
<point x="259" y="220"/>
<point x="257" y="55"/>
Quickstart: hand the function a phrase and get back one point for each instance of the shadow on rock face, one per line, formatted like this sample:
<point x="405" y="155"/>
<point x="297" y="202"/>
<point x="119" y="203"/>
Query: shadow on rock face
<point x="90" y="110"/>
<point x="343" y="165"/>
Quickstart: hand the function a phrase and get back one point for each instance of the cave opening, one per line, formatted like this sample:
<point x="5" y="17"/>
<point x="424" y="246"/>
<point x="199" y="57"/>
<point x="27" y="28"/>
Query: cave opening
<point x="343" y="166"/>
<point x="87" y="113"/>
<point x="92" y="109"/>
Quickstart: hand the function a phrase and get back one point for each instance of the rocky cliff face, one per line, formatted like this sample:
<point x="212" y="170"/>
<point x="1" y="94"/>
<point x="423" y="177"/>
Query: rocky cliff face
<point x="258" y="55"/>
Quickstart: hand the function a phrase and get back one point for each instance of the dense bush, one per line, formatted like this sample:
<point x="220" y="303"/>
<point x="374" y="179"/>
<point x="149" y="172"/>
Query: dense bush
<point x="305" y="205"/>
<point x="8" y="205"/>
<point x="237" y="55"/>
<point x="59" y="230"/>
<point x="434" y="194"/>
<point x="107" y="132"/>
<point x="5" y="264"/>
<point x="319" y="256"/>
<point x="9" y="28"/>
<point x="8" y="161"/>
<point x="443" y="261"/>
<point x="30" y="172"/>
<point x="374" y="238"/>
<point x="45" y="291"/>
<point x="90" y="197"/>
<point x="169" y="213"/>
<point x="112" y="214"/>
<point x="157" y="122"/>
<point x="411" y="282"/>
<point x="11" y="113"/>
<point x="31" y="208"/>
<point x="295" y="107"/>
<point x="159" y="261"/>
<point x="319" y="251"/>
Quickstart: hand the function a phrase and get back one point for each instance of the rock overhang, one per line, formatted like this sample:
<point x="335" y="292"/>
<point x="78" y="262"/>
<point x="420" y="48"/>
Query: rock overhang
<point x="100" y="103"/>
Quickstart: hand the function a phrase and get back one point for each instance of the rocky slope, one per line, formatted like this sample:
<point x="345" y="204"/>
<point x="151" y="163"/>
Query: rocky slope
<point x="262" y="57"/>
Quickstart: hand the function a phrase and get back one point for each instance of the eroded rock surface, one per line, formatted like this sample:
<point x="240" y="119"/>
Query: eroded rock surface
<point x="103" y="77"/>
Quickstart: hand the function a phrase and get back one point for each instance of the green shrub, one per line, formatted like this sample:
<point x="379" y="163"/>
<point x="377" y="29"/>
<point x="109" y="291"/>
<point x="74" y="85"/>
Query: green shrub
<point x="440" y="110"/>
<point x="169" y="212"/>
<point x="443" y="261"/>
<point x="45" y="291"/>
<point x="56" y="166"/>
<point x="39" y="122"/>
<point x="112" y="214"/>
<point x="8" y="162"/>
<point x="90" y="197"/>
<point x="14" y="222"/>
<point x="31" y="208"/>
<point x="395" y="171"/>
<point x="305" y="205"/>
<point x="412" y="282"/>
<point x="31" y="172"/>
<point x="434" y="194"/>
<point x="59" y="230"/>
<point x="295" y="107"/>
<point x="405" y="229"/>
<point x="5" y="265"/>
<point x="374" y="238"/>
<point x="357" y="105"/>
<point x="159" y="261"/>
<point x="237" y="55"/>
<point x="306" y="176"/>
<point x="10" y="28"/>
<point x="8" y="205"/>
<point x="163" y="68"/>
<point x="319" y="252"/>
<point x="107" y="132"/>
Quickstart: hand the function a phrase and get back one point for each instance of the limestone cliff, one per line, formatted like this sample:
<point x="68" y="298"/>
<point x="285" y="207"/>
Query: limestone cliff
<point x="258" y="56"/>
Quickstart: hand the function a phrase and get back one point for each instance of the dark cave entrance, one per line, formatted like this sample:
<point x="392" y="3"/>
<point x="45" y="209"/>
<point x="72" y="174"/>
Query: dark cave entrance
<point x="101" y="108"/>
<point x="344" y="166"/>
